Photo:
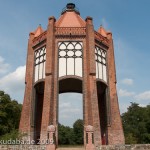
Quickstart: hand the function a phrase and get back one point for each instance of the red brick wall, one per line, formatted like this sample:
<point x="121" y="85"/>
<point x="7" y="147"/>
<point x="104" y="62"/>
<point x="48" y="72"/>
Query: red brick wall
<point x="115" y="130"/>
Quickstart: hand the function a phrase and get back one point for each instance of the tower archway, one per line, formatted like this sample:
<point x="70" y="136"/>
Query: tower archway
<point x="70" y="111"/>
<point x="102" y="107"/>
<point x="70" y="84"/>
<point x="37" y="109"/>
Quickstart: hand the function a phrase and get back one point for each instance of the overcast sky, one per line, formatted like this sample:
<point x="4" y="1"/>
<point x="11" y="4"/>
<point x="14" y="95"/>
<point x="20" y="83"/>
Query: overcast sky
<point x="128" y="20"/>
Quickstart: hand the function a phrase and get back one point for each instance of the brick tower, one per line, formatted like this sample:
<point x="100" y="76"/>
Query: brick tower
<point x="70" y="56"/>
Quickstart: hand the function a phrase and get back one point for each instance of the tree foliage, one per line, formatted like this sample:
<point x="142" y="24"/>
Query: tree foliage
<point x="71" y="136"/>
<point x="78" y="131"/>
<point x="136" y="124"/>
<point x="66" y="135"/>
<point x="10" y="112"/>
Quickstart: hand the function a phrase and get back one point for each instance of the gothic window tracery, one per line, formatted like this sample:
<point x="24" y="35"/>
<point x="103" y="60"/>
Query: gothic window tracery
<point x="39" y="63"/>
<point x="101" y="65"/>
<point x="70" y="58"/>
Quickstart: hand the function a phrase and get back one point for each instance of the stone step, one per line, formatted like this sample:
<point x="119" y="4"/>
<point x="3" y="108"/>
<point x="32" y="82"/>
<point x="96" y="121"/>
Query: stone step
<point x="70" y="148"/>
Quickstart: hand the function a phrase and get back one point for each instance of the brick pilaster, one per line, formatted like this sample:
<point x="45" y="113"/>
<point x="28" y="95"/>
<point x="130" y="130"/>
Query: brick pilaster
<point x="25" y="121"/>
<point x="115" y="130"/>
<point x="93" y="113"/>
<point x="47" y="115"/>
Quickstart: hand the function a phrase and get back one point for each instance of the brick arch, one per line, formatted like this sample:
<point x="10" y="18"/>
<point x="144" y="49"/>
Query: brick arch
<point x="70" y="84"/>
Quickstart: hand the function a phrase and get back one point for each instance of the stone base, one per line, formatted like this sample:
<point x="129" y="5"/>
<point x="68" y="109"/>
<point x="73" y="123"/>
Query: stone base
<point x="125" y="147"/>
<point x="90" y="147"/>
<point x="50" y="147"/>
<point x="22" y="147"/>
<point x="108" y="147"/>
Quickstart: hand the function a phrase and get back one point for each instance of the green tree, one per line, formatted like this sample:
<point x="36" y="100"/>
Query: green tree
<point x="136" y="124"/>
<point x="65" y="135"/>
<point x="78" y="129"/>
<point x="71" y="136"/>
<point x="10" y="112"/>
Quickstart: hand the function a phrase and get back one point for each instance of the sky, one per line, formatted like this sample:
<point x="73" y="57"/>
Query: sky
<point x="129" y="21"/>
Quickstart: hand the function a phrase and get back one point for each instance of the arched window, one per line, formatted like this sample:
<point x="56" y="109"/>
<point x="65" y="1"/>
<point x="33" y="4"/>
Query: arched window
<point x="70" y="58"/>
<point x="101" y="67"/>
<point x="39" y="62"/>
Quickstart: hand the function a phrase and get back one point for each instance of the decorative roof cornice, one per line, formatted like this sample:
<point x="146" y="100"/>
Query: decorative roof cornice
<point x="39" y="38"/>
<point x="101" y="38"/>
<point x="70" y="32"/>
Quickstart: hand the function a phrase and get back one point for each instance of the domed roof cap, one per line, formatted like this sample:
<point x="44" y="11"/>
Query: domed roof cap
<point x="70" y="7"/>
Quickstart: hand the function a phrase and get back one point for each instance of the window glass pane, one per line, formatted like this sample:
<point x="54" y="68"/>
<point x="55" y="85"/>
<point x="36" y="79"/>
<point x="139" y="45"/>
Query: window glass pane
<point x="36" y="73"/>
<point x="70" y="53"/>
<point x="96" y="70"/>
<point x="100" y="71"/>
<point x="62" y="46"/>
<point x="103" y="54"/>
<point x="62" y="53"/>
<point x="78" y="53"/>
<point x="78" y="46"/>
<point x="78" y="67"/>
<point x="41" y="53"/>
<point x="70" y="66"/>
<point x="70" y="46"/>
<point x="104" y="73"/>
<point x="62" y="67"/>
<point x="40" y="70"/>
<point x="44" y="70"/>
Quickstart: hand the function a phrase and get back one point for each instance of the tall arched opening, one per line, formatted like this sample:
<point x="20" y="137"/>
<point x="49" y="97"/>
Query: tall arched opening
<point x="102" y="106"/>
<point x="70" y="109"/>
<point x="38" y="108"/>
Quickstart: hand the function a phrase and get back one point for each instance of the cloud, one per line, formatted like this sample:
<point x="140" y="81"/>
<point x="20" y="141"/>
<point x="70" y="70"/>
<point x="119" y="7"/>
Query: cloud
<point x="13" y="83"/>
<point x="143" y="96"/>
<point x="65" y="116"/>
<point x="143" y="99"/>
<point x="125" y="93"/>
<point x="70" y="108"/>
<point x="64" y="105"/>
<point x="123" y="107"/>
<point x="3" y="66"/>
<point x="142" y="105"/>
<point x="127" y="81"/>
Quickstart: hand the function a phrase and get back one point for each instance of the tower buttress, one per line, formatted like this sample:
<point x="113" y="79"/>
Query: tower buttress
<point x="115" y="130"/>
<point x="26" y="118"/>
<point x="48" y="111"/>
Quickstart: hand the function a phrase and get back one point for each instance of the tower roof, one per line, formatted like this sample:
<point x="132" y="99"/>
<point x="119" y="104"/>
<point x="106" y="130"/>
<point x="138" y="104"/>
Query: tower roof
<point x="102" y="31"/>
<point x="38" y="31"/>
<point x="70" y="17"/>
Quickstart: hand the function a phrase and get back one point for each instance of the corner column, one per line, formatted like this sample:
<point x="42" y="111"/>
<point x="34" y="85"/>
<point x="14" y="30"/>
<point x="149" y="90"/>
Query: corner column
<point x="48" y="103"/>
<point x="115" y="129"/>
<point x="93" y="112"/>
<point x="25" y="121"/>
